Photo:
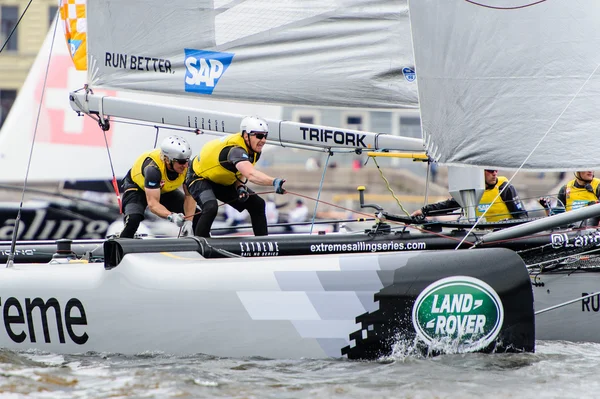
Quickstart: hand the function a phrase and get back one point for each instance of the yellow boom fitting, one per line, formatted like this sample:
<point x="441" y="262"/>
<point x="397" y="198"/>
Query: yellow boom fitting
<point x="415" y="156"/>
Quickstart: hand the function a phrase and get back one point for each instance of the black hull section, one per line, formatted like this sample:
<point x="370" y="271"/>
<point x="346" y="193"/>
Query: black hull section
<point x="533" y="249"/>
<point x="57" y="220"/>
<point x="506" y="275"/>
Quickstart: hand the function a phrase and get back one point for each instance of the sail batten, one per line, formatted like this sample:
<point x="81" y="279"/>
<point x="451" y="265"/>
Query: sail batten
<point x="509" y="87"/>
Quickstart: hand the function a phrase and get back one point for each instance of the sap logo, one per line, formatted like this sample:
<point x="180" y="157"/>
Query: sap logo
<point x="409" y="74"/>
<point x="483" y="207"/>
<point x="204" y="69"/>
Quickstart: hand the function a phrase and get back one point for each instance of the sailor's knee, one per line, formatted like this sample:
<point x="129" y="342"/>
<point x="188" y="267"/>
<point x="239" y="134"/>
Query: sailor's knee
<point x="133" y="219"/>
<point x="255" y="204"/>
<point x="210" y="208"/>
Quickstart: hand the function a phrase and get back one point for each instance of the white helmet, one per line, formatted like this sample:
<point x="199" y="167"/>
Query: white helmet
<point x="175" y="147"/>
<point x="254" y="124"/>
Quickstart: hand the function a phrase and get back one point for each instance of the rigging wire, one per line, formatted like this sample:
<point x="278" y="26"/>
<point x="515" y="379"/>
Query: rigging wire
<point x="16" y="25"/>
<point x="115" y="184"/>
<point x="329" y="155"/>
<point x="560" y="305"/>
<point x="11" y="256"/>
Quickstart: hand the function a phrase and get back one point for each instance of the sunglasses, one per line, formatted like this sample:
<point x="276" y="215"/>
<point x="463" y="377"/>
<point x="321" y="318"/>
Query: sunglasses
<point x="182" y="161"/>
<point x="491" y="170"/>
<point x="260" y="136"/>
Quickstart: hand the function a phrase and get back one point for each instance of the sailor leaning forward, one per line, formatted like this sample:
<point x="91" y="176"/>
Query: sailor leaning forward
<point x="154" y="181"/>
<point x="221" y="172"/>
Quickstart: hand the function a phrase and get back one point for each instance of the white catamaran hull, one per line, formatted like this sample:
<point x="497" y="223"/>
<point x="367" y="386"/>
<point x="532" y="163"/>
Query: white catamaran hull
<point x="577" y="321"/>
<point x="356" y="305"/>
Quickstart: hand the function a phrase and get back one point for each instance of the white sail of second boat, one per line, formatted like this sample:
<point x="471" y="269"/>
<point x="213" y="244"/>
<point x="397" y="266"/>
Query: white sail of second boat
<point x="498" y="77"/>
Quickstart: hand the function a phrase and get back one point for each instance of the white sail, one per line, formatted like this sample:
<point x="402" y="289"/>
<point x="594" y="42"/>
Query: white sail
<point x="498" y="77"/>
<point x="344" y="53"/>
<point x="71" y="147"/>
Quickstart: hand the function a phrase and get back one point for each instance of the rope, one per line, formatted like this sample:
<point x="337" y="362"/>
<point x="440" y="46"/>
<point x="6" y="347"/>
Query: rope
<point x="112" y="170"/>
<point x="387" y="184"/>
<point x="11" y="256"/>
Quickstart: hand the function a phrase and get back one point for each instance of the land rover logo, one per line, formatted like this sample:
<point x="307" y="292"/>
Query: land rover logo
<point x="460" y="310"/>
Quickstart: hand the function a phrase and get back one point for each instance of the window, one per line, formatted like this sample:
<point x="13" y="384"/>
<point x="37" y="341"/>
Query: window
<point x="7" y="98"/>
<point x="355" y="120"/>
<point x="52" y="10"/>
<point x="306" y="119"/>
<point x="9" y="15"/>
<point x="410" y="126"/>
<point x="305" y="115"/>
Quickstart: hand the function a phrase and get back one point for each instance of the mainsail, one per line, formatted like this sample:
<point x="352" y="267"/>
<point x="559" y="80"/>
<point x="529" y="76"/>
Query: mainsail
<point x="497" y="78"/>
<point x="345" y="53"/>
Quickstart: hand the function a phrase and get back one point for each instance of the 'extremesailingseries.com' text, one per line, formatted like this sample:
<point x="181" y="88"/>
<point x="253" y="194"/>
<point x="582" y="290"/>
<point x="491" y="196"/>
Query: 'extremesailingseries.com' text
<point x="362" y="246"/>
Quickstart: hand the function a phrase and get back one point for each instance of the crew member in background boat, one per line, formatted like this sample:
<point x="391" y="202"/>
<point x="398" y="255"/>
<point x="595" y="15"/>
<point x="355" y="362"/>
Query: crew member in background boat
<point x="271" y="210"/>
<point x="299" y="213"/>
<point x="154" y="181"/>
<point x="506" y="206"/>
<point x="582" y="191"/>
<point x="221" y="171"/>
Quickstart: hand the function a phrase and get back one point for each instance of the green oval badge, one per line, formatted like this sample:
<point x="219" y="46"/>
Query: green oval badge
<point x="459" y="311"/>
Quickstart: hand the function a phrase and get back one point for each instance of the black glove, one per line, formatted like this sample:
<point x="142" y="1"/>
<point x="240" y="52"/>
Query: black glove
<point x="278" y="184"/>
<point x="545" y="202"/>
<point x="419" y="218"/>
<point x="242" y="193"/>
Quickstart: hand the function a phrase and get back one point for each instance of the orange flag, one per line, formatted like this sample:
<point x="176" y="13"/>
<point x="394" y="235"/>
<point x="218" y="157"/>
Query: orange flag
<point x="73" y="15"/>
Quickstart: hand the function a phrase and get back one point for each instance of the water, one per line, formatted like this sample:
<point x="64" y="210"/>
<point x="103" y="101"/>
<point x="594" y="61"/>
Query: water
<point x="556" y="370"/>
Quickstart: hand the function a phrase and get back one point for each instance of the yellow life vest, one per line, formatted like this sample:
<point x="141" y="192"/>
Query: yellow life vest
<point x="498" y="209"/>
<point x="208" y="165"/>
<point x="579" y="197"/>
<point x="166" y="185"/>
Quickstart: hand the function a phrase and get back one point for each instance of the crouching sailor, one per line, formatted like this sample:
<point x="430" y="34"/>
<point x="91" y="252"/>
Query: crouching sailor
<point x="155" y="181"/>
<point x="221" y="172"/>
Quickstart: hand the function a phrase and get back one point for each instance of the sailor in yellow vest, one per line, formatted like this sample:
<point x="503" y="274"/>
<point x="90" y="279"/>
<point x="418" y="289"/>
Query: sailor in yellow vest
<point x="155" y="181"/>
<point x="579" y="192"/>
<point x="506" y="206"/>
<point x="221" y="171"/>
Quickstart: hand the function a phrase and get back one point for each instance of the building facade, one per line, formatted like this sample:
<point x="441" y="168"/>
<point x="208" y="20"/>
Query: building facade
<point x="19" y="52"/>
